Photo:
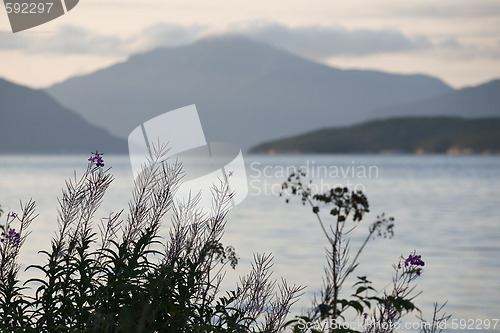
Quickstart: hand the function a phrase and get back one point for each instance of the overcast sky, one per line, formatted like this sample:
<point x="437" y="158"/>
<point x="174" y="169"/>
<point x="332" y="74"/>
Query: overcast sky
<point x="457" y="41"/>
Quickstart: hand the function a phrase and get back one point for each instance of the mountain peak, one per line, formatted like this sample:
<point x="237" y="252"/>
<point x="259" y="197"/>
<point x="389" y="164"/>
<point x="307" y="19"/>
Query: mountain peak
<point x="246" y="91"/>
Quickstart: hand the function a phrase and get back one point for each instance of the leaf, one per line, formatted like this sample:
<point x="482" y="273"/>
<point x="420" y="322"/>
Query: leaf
<point x="360" y="290"/>
<point x="358" y="306"/>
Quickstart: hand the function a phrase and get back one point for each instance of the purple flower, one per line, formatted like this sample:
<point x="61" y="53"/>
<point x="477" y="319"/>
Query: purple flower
<point x="96" y="159"/>
<point x="413" y="264"/>
<point x="12" y="214"/>
<point x="12" y="236"/>
<point x="414" y="260"/>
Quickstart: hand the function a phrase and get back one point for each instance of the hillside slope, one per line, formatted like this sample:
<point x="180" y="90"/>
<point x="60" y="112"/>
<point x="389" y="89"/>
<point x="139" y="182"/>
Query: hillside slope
<point x="411" y="135"/>
<point x="33" y="122"/>
<point x="471" y="102"/>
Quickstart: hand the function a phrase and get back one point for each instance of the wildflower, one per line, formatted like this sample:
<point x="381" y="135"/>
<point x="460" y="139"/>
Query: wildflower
<point x="12" y="236"/>
<point x="97" y="159"/>
<point x="414" y="260"/>
<point x="12" y="214"/>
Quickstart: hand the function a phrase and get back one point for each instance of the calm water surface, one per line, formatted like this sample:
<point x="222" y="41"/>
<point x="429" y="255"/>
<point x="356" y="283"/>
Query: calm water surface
<point x="446" y="207"/>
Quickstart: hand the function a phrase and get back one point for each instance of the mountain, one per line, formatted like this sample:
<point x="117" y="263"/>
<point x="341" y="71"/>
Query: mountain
<point x="33" y="122"/>
<point x="245" y="91"/>
<point x="410" y="134"/>
<point x="480" y="101"/>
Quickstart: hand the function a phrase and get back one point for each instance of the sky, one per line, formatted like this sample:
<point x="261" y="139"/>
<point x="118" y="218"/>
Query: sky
<point x="457" y="41"/>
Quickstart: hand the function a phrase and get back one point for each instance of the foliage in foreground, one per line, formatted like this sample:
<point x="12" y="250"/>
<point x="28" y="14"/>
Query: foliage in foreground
<point x="375" y="313"/>
<point x="124" y="277"/>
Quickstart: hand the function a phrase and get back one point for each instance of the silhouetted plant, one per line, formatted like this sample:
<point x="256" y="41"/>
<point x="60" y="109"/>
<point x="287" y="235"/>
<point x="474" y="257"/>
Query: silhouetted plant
<point x="344" y="205"/>
<point x="126" y="278"/>
<point x="13" y="306"/>
<point x="438" y="321"/>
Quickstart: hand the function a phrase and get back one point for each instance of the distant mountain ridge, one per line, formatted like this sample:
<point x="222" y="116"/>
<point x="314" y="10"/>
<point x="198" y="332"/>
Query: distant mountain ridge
<point x="33" y="122"/>
<point x="450" y="135"/>
<point x="480" y="101"/>
<point x="245" y="91"/>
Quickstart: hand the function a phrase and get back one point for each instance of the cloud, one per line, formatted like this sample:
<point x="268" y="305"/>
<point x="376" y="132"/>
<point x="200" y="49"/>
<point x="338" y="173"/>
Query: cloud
<point x="67" y="40"/>
<point x="323" y="42"/>
<point x="160" y="35"/>
<point x="75" y="40"/>
<point x="451" y="43"/>
<point x="314" y="42"/>
<point x="71" y="39"/>
<point x="452" y="9"/>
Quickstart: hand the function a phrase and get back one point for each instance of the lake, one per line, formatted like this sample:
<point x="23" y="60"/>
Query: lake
<point x="447" y="208"/>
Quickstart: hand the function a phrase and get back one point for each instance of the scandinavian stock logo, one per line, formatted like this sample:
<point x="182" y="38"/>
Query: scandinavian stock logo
<point x="205" y="165"/>
<point x="26" y="14"/>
